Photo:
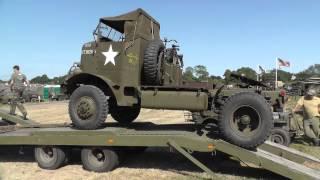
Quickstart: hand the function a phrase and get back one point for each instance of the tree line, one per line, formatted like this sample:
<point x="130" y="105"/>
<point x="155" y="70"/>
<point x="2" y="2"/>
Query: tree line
<point x="199" y="73"/>
<point x="44" y="79"/>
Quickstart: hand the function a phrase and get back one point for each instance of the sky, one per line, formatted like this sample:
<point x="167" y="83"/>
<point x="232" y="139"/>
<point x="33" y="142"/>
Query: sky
<point x="45" y="37"/>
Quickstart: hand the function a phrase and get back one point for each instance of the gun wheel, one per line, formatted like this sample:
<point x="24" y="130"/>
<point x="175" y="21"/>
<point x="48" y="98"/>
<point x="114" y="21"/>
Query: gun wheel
<point x="246" y="120"/>
<point x="280" y="136"/>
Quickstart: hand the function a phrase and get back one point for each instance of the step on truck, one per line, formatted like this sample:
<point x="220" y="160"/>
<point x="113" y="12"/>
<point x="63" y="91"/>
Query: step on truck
<point x="102" y="149"/>
<point x="128" y="67"/>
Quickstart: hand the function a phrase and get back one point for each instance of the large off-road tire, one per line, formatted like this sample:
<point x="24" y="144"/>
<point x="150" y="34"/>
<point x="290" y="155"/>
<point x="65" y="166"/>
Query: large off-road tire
<point x="280" y="136"/>
<point x="245" y="120"/>
<point x="49" y="157"/>
<point x="152" y="63"/>
<point x="125" y="115"/>
<point x="88" y="107"/>
<point x="99" y="159"/>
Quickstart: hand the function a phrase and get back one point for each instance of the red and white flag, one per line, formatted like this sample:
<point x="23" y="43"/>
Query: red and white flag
<point x="284" y="63"/>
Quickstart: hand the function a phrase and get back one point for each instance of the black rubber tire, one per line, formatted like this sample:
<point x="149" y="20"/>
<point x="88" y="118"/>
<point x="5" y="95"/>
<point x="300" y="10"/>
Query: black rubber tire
<point x="125" y="115"/>
<point x="280" y="136"/>
<point x="260" y="107"/>
<point x="108" y="162"/>
<point x="57" y="157"/>
<point x="151" y="63"/>
<point x="101" y="103"/>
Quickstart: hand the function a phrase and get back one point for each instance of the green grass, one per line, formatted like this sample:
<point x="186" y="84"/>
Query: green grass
<point x="303" y="146"/>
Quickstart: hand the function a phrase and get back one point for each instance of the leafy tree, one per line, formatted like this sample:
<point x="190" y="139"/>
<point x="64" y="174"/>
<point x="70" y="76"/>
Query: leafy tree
<point x="44" y="79"/>
<point x="311" y="71"/>
<point x="201" y="73"/>
<point x="247" y="72"/>
<point x="283" y="76"/>
<point x="188" y="74"/>
<point x="227" y="77"/>
<point x="216" y="79"/>
<point x="58" y="80"/>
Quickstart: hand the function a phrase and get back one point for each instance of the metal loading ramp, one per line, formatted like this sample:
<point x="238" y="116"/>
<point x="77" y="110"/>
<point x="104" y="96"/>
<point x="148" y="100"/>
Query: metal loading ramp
<point x="276" y="158"/>
<point x="181" y="137"/>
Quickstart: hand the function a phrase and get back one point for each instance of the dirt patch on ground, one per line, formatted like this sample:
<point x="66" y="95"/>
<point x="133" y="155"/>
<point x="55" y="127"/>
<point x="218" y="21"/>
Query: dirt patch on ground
<point x="155" y="163"/>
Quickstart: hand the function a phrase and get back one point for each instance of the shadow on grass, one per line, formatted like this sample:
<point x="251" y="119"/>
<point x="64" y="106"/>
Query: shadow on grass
<point x="16" y="154"/>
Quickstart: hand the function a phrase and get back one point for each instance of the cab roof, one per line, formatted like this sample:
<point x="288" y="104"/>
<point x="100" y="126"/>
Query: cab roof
<point x="117" y="22"/>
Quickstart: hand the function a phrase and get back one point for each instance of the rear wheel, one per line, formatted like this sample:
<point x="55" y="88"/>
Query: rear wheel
<point x="88" y="107"/>
<point x="99" y="159"/>
<point x="49" y="157"/>
<point x="125" y="115"/>
<point x="280" y="136"/>
<point x="245" y="120"/>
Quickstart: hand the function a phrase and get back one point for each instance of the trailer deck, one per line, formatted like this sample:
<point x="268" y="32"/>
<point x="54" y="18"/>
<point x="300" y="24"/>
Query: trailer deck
<point x="184" y="138"/>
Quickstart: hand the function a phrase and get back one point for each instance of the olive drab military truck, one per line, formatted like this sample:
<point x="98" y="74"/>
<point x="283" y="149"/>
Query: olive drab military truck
<point x="128" y="67"/>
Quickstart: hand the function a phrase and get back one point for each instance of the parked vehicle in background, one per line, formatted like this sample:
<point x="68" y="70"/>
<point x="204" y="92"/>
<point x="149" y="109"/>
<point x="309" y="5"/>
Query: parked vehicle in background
<point x="299" y="88"/>
<point x="30" y="95"/>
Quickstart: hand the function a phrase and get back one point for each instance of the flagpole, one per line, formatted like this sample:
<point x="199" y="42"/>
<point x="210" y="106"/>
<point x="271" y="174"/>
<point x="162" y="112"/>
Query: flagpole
<point x="258" y="72"/>
<point x="276" y="83"/>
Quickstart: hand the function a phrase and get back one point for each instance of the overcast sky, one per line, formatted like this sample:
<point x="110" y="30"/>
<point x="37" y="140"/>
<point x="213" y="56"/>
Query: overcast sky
<point x="45" y="37"/>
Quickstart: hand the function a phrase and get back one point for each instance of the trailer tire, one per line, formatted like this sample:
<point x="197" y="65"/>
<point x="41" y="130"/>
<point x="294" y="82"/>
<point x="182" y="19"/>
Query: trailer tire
<point x="99" y="159"/>
<point x="88" y="107"/>
<point x="49" y="157"/>
<point x="125" y="115"/>
<point x="245" y="120"/>
<point x="152" y="62"/>
<point x="280" y="136"/>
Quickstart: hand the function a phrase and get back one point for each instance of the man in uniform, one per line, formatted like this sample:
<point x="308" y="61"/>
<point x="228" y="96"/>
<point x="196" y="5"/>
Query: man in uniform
<point x="310" y="104"/>
<point x="18" y="84"/>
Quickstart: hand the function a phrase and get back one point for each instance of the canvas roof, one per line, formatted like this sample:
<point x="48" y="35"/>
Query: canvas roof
<point x="117" y="22"/>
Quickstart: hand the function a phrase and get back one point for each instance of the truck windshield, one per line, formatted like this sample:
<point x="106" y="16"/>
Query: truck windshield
<point x="106" y="33"/>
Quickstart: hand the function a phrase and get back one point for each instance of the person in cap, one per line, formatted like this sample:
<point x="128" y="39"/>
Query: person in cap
<point x="310" y="106"/>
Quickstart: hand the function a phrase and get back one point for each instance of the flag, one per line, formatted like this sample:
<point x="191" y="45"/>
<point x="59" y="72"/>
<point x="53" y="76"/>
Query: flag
<point x="284" y="63"/>
<point x="262" y="70"/>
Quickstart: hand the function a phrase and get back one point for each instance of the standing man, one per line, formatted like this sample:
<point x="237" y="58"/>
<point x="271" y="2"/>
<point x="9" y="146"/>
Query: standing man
<point x="310" y="104"/>
<point x="18" y="84"/>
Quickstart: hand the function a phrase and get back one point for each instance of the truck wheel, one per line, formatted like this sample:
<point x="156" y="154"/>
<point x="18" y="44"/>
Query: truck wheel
<point x="49" y="157"/>
<point x="125" y="115"/>
<point x="246" y="120"/>
<point x="152" y="63"/>
<point x="280" y="136"/>
<point x="88" y="107"/>
<point x="34" y="100"/>
<point x="99" y="159"/>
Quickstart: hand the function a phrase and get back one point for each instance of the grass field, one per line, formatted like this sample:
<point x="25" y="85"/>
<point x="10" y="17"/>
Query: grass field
<point x="153" y="164"/>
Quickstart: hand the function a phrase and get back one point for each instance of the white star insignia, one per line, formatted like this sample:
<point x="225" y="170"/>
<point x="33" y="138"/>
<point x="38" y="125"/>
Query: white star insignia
<point x="110" y="55"/>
